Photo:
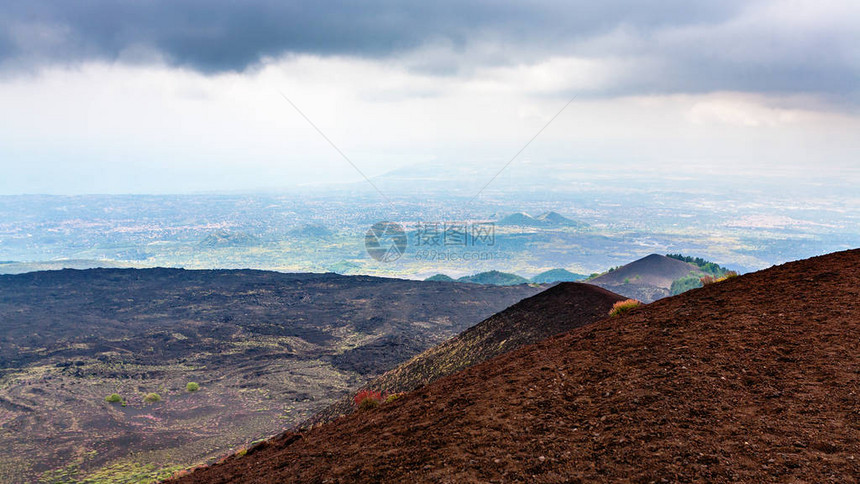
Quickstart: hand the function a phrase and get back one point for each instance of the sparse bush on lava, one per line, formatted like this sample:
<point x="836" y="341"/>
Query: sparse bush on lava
<point x="368" y="399"/>
<point x="622" y="307"/>
<point x="711" y="279"/>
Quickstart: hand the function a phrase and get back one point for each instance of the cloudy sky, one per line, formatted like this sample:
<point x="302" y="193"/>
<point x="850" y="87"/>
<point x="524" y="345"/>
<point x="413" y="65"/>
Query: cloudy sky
<point x="164" y="96"/>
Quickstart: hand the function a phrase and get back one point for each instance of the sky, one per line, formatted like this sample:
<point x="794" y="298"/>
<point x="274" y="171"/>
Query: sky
<point x="165" y="96"/>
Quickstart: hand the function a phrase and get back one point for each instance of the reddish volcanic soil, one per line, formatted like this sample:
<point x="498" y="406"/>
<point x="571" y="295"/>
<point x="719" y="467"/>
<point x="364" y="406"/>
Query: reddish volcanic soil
<point x="755" y="379"/>
<point x="558" y="309"/>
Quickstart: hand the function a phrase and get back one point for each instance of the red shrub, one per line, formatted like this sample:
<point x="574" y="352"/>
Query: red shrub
<point x="367" y="399"/>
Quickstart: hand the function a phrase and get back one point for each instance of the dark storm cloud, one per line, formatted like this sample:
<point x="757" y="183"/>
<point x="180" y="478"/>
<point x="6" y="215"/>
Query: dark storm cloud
<point x="220" y="35"/>
<point x="215" y="35"/>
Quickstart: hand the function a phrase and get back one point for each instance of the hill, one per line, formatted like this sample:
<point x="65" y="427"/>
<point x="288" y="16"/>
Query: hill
<point x="558" y="220"/>
<point x="557" y="275"/>
<point x="561" y="308"/>
<point x="224" y="238"/>
<point x="495" y="278"/>
<point x="440" y="278"/>
<point x="646" y="279"/>
<point x="312" y="231"/>
<point x="548" y="219"/>
<point x="12" y="267"/>
<point x="268" y="350"/>
<point x="754" y="379"/>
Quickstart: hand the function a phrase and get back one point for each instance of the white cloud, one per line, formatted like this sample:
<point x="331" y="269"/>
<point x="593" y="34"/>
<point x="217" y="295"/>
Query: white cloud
<point x="114" y="127"/>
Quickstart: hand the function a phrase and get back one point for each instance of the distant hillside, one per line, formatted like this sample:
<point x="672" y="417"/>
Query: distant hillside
<point x="312" y="231"/>
<point x="520" y="218"/>
<point x="559" y="220"/>
<point x="751" y="380"/>
<point x="557" y="275"/>
<point x="694" y="280"/>
<point x="224" y="238"/>
<point x="12" y="267"/>
<point x="495" y="278"/>
<point x="268" y="350"/>
<point x="646" y="279"/>
<point x="440" y="278"/>
<point x="655" y="276"/>
<point x="548" y="219"/>
<point x="561" y="308"/>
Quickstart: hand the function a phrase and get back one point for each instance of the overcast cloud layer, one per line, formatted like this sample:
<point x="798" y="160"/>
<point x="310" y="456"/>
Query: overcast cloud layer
<point x="174" y="96"/>
<point x="671" y="45"/>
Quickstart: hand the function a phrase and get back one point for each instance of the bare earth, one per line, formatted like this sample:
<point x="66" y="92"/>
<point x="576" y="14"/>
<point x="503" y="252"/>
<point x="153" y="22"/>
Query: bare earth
<point x="755" y="379"/>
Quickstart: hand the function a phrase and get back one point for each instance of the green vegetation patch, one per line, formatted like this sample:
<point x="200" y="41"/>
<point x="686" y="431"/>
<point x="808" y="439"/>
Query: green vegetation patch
<point x="684" y="284"/>
<point x="708" y="267"/>
<point x="622" y="307"/>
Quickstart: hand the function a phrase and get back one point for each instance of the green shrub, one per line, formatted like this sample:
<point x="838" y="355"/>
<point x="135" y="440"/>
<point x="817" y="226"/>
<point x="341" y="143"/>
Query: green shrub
<point x="393" y="397"/>
<point x="684" y="284"/>
<point x="113" y="398"/>
<point x="192" y="386"/>
<point x="152" y="398"/>
<point x="709" y="268"/>
<point x="622" y="307"/>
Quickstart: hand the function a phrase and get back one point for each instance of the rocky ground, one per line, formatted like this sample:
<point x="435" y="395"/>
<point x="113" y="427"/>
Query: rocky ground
<point x="267" y="349"/>
<point x="754" y="379"/>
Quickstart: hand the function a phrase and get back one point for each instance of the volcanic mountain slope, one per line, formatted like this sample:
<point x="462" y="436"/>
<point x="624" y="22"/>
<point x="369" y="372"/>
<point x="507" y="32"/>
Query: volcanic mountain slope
<point x="557" y="275"/>
<point x="268" y="350"/>
<point x="754" y="379"/>
<point x="556" y="310"/>
<point x="495" y="278"/>
<point x="646" y="279"/>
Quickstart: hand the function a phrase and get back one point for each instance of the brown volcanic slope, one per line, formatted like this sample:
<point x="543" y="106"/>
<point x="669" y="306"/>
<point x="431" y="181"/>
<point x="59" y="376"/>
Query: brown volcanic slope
<point x="648" y="278"/>
<point x="754" y="379"/>
<point x="558" y="309"/>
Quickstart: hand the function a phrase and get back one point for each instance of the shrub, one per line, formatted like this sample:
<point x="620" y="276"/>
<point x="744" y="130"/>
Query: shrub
<point x="152" y="398"/>
<point x="368" y="399"/>
<point x="113" y="398"/>
<point x="393" y="397"/>
<point x="622" y="307"/>
<point x="706" y="280"/>
<point x="710" y="279"/>
<point x="192" y="387"/>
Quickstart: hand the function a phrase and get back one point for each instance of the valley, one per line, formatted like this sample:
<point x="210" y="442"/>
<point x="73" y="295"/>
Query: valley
<point x="266" y="349"/>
